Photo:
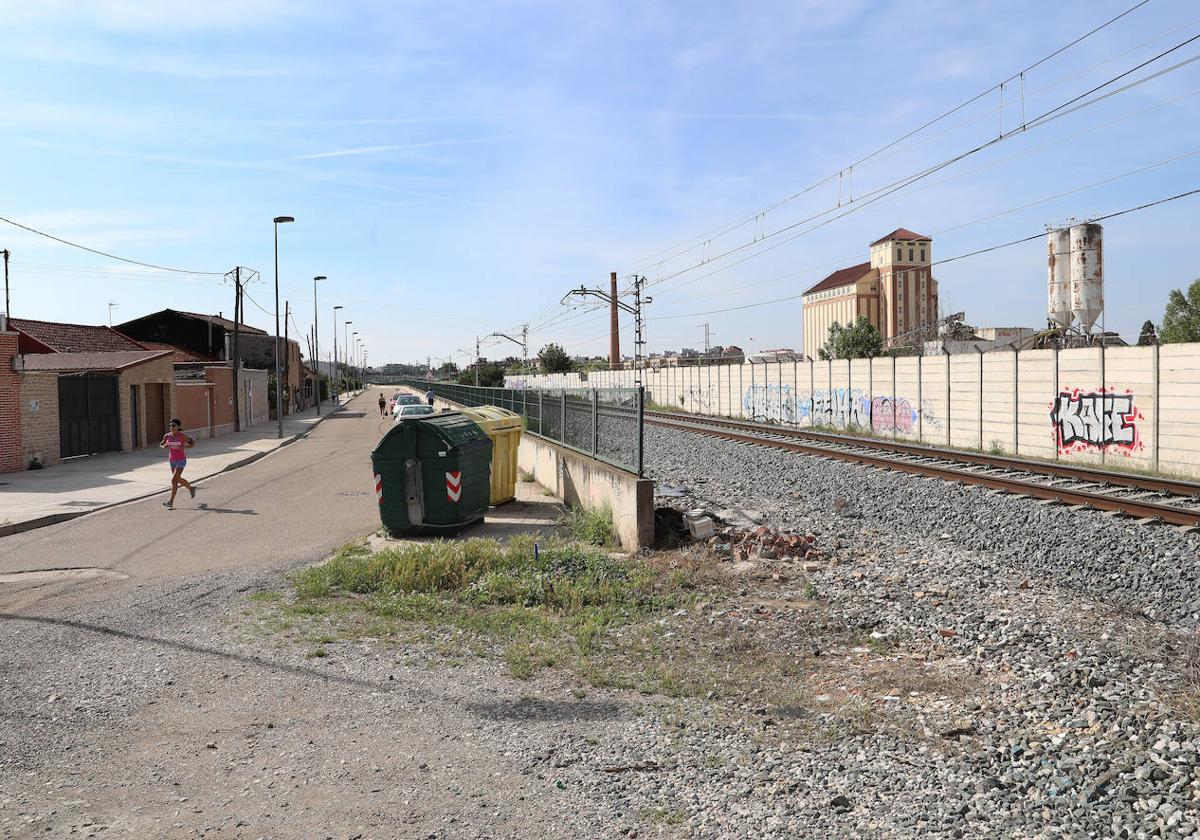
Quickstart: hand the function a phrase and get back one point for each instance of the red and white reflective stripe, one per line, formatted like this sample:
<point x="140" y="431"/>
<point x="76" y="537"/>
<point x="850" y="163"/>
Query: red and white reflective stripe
<point x="379" y="488"/>
<point x="453" y="486"/>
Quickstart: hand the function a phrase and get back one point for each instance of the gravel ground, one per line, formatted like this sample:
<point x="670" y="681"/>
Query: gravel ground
<point x="964" y="665"/>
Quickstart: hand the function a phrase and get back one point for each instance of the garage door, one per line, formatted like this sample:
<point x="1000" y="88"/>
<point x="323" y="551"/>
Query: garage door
<point x="87" y="415"/>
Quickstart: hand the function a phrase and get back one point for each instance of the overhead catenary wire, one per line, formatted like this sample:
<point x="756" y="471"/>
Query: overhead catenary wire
<point x="726" y="227"/>
<point x="986" y="250"/>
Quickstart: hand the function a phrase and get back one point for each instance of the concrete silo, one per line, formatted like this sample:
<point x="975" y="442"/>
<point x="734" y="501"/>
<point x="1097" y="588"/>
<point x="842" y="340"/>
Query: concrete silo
<point x="1087" y="274"/>
<point x="1058" y="276"/>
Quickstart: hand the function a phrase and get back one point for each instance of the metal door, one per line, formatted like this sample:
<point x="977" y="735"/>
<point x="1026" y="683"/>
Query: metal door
<point x="87" y="415"/>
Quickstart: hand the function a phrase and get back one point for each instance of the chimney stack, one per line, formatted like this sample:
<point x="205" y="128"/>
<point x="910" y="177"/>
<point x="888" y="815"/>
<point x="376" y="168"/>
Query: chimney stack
<point x="614" y="344"/>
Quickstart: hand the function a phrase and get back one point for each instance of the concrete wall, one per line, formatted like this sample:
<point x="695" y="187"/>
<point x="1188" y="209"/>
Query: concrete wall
<point x="193" y="407"/>
<point x="583" y="482"/>
<point x="11" y="452"/>
<point x="253" y="397"/>
<point x="1128" y="406"/>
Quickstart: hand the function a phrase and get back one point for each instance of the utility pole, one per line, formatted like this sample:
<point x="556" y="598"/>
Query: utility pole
<point x="476" y="361"/>
<point x="614" y="326"/>
<point x="237" y="321"/>
<point x="639" y="340"/>
<point x="287" y="352"/>
<point x="7" y="310"/>
<point x="707" y="337"/>
<point x="524" y="342"/>
<point x="316" y="348"/>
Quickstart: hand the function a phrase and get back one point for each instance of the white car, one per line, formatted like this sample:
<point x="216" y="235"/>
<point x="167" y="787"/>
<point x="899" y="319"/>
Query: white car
<point x="401" y="400"/>
<point x="405" y="412"/>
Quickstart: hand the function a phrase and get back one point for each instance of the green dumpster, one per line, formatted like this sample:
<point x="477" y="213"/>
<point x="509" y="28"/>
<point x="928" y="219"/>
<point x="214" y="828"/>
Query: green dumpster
<point x="432" y="473"/>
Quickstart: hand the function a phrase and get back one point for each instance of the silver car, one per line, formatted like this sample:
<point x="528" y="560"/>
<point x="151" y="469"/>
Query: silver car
<point x="405" y="412"/>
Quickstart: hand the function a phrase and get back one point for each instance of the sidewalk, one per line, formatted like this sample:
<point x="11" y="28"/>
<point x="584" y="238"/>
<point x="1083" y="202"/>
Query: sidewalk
<point x="35" y="498"/>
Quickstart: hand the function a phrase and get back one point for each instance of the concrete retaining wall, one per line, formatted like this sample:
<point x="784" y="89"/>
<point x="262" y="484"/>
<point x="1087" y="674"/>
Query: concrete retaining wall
<point x="582" y="481"/>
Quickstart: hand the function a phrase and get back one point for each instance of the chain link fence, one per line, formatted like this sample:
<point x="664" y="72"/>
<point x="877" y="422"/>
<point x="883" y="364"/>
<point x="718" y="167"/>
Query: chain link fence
<point x="604" y="423"/>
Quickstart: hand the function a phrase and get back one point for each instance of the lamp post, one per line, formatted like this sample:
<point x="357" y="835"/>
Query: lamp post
<point x="279" y="220"/>
<point x="333" y="371"/>
<point x="317" y="344"/>
<point x="354" y="355"/>
<point x="346" y="336"/>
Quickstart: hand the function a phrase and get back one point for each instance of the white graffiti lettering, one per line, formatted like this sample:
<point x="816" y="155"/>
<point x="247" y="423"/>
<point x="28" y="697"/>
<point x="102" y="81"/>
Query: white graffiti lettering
<point x="1094" y="420"/>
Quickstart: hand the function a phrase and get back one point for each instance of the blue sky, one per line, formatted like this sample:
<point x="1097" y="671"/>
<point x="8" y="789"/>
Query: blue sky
<point x="454" y="168"/>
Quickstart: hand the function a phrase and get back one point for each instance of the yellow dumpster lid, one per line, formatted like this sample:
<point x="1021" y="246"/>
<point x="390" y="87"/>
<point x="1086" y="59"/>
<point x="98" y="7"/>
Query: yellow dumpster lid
<point x="492" y="418"/>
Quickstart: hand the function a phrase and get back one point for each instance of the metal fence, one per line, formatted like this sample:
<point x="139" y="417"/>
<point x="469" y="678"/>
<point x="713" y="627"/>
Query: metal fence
<point x="606" y="424"/>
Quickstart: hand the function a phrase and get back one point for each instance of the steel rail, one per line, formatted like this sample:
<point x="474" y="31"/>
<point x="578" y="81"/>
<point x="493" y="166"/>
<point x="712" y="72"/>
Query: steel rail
<point x="1132" y="507"/>
<point x="1132" y="481"/>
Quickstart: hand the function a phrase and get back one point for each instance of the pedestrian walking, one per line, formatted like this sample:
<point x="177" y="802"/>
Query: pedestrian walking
<point x="429" y="396"/>
<point x="177" y="443"/>
<point x="382" y="406"/>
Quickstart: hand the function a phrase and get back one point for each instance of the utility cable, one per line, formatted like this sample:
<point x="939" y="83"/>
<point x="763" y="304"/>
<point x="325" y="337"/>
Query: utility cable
<point x="989" y="249"/>
<point x="724" y="228"/>
<point x="59" y="239"/>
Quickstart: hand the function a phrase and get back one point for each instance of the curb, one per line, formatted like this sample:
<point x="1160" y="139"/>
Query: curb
<point x="56" y="518"/>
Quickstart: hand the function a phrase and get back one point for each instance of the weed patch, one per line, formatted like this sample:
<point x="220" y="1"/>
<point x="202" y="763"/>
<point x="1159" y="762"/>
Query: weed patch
<point x="593" y="527"/>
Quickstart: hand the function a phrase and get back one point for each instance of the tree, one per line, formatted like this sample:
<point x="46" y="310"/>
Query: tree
<point x="860" y="340"/>
<point x="447" y="369"/>
<point x="491" y="375"/>
<point x="1147" y="337"/>
<point x="1181" y="321"/>
<point x="554" y="359"/>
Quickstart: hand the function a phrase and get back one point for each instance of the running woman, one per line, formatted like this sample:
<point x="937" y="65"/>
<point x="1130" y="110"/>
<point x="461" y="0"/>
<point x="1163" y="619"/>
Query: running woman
<point x="176" y="442"/>
<point x="382" y="406"/>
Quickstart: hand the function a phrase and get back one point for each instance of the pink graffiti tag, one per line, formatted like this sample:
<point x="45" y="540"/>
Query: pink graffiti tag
<point x="1096" y="420"/>
<point x="887" y="415"/>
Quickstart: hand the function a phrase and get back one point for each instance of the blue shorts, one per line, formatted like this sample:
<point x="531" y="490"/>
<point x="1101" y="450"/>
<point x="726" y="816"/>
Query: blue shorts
<point x="177" y="464"/>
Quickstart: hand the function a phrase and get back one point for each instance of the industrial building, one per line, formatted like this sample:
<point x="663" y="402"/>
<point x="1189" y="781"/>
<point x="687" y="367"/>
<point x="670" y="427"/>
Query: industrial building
<point x="895" y="290"/>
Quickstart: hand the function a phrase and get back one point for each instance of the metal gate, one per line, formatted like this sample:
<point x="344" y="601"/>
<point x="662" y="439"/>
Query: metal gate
<point x="87" y="415"/>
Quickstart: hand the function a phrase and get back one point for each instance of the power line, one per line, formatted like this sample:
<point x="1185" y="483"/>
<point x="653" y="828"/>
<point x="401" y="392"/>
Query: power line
<point x="1038" y="235"/>
<point x="882" y="192"/>
<point x="108" y="255"/>
<point x="732" y="225"/>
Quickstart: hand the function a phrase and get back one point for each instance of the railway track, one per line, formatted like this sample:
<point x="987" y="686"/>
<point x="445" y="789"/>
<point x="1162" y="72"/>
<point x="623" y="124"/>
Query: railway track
<point x="1145" y="498"/>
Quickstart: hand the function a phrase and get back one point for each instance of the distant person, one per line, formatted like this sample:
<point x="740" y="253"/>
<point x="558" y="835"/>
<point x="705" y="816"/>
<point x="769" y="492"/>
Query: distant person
<point x="176" y="443"/>
<point x="429" y="396"/>
<point x="382" y="406"/>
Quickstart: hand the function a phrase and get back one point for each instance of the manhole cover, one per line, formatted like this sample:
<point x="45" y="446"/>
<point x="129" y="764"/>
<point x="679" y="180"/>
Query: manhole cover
<point x="42" y="575"/>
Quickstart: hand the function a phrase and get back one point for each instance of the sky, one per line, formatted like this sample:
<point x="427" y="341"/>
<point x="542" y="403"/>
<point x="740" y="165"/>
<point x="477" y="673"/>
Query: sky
<point x="455" y="168"/>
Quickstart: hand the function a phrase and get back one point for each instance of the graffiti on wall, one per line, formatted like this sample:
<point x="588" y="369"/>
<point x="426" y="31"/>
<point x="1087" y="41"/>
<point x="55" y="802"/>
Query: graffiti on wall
<point x="1094" y="421"/>
<point x="841" y="407"/>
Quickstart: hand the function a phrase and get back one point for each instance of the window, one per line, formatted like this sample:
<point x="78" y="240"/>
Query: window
<point x="910" y="254"/>
<point x="899" y="255"/>
<point x="922" y="255"/>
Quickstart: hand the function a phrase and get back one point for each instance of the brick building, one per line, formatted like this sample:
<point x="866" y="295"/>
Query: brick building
<point x="894" y="290"/>
<point x="204" y="336"/>
<point x="11" y="458"/>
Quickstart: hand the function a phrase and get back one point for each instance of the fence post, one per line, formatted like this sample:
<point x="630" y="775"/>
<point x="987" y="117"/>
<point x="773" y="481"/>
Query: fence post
<point x="849" y="392"/>
<point x="562" y="416"/>
<point x="541" y="409"/>
<point x="1154" y="446"/>
<point x="641" y="441"/>
<point x="893" y="397"/>
<point x="1105" y="412"/>
<point x="920" y="410"/>
<point x="980" y="352"/>
<point x="1054" y="405"/>
<point x="1016" y="400"/>
<point x="595" y="422"/>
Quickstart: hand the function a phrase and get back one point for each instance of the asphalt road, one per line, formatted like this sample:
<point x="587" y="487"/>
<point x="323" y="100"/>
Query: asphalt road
<point x="297" y="504"/>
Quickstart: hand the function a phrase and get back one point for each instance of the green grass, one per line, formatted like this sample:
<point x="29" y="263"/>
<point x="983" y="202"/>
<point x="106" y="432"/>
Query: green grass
<point x="593" y="527"/>
<point x="540" y="609"/>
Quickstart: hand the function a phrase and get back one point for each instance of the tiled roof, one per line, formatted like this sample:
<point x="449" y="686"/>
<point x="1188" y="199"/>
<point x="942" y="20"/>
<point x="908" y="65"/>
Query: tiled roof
<point x="182" y="354"/>
<point x="89" y="361"/>
<point x="75" y="338"/>
<point x="842" y="277"/>
<point x="899" y="235"/>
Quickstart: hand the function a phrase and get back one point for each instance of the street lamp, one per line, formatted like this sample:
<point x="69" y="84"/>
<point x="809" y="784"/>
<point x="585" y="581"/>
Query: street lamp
<point x="346" y="336"/>
<point x="333" y="371"/>
<point x="317" y="344"/>
<point x="279" y="220"/>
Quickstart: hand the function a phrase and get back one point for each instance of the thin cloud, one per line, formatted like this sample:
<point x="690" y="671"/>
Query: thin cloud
<point x="375" y="150"/>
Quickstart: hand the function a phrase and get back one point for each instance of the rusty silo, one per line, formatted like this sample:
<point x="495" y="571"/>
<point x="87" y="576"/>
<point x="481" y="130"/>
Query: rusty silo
<point x="1087" y="274"/>
<point x="1058" y="276"/>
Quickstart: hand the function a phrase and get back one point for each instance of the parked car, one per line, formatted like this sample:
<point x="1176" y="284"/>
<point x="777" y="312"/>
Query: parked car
<point x="404" y="412"/>
<point x="401" y="400"/>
